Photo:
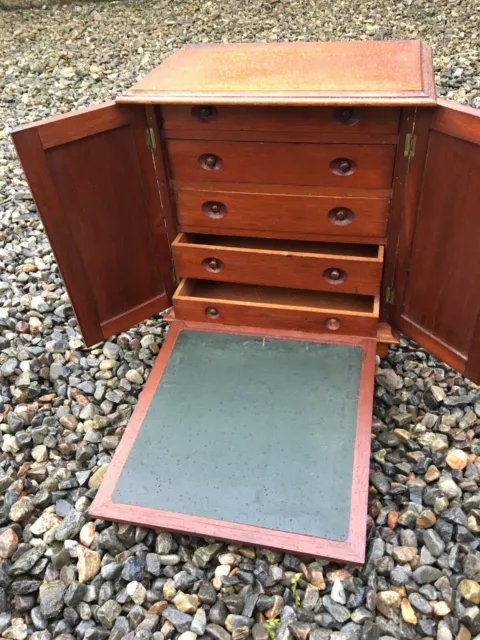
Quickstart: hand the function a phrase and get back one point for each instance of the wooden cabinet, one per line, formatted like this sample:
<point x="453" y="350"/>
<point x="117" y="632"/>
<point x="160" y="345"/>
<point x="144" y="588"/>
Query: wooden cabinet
<point x="316" y="193"/>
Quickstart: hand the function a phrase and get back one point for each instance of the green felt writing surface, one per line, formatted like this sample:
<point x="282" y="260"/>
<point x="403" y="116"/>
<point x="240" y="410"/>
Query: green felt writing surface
<point x="252" y="430"/>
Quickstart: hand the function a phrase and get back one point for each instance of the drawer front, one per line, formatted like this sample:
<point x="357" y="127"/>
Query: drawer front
<point x="295" y="269"/>
<point x="286" y="318"/>
<point x="271" y="317"/>
<point x="296" y="216"/>
<point x="203" y="119"/>
<point x="287" y="309"/>
<point x="326" y="165"/>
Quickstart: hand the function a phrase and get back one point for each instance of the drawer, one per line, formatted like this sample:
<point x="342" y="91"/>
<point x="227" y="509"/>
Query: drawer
<point x="368" y="166"/>
<point x="202" y="120"/>
<point x="318" y="266"/>
<point x="282" y="215"/>
<point x="242" y="304"/>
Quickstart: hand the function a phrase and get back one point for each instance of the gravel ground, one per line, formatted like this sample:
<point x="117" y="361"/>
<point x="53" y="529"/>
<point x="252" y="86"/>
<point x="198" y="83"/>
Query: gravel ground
<point x="64" y="408"/>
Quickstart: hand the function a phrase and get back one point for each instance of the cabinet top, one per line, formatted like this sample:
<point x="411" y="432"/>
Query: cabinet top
<point x="392" y="72"/>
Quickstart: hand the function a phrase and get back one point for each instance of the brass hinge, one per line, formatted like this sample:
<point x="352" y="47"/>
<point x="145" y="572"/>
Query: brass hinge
<point x="390" y="295"/>
<point x="410" y="145"/>
<point x="150" y="138"/>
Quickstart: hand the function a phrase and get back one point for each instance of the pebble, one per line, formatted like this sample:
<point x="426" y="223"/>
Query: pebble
<point x="88" y="565"/>
<point x="8" y="543"/>
<point x="470" y="590"/>
<point x="408" y="614"/>
<point x="51" y="598"/>
<point x="22" y="509"/>
<point x="457" y="459"/>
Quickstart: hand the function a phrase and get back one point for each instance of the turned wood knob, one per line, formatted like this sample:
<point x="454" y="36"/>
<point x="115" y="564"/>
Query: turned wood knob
<point x="205" y="112"/>
<point x="332" y="324"/>
<point x="211" y="161"/>
<point x="341" y="216"/>
<point x="212" y="312"/>
<point x="335" y="274"/>
<point x="346" y="115"/>
<point x="343" y="166"/>
<point x="212" y="264"/>
<point x="214" y="209"/>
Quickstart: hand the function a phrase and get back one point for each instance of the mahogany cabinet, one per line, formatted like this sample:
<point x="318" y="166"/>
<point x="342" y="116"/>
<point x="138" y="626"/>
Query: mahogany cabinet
<point x="309" y="193"/>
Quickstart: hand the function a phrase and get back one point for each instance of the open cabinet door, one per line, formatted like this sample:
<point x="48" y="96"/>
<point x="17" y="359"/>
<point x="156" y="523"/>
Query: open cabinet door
<point x="437" y="279"/>
<point x="94" y="183"/>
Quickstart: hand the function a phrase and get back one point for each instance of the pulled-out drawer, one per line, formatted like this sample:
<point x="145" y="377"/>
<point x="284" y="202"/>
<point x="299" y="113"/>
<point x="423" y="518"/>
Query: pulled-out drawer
<point x="367" y="166"/>
<point x="320" y="266"/>
<point x="292" y="309"/>
<point x="298" y="215"/>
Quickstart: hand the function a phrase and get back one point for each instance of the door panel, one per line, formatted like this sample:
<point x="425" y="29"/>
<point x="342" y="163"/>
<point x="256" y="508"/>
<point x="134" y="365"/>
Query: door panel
<point x="439" y="302"/>
<point x="94" y="183"/>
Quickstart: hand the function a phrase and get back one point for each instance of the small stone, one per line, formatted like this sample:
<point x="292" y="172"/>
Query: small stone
<point x="48" y="520"/>
<point x="185" y="602"/>
<point x="163" y="543"/>
<point x="133" y="569"/>
<point x="432" y="474"/>
<point x="88" y="564"/>
<point x="136" y="591"/>
<point x="8" y="543"/>
<point x="337" y="611"/>
<point x="450" y="488"/>
<point x="426" y="574"/>
<point x="203" y="555"/>
<point x="426" y="519"/>
<point x="22" y="509"/>
<point x="470" y="590"/>
<point x="389" y="380"/>
<point x="217" y="632"/>
<point x="259" y="632"/>
<point x="87" y="534"/>
<point x="408" y="614"/>
<point x="169" y="560"/>
<point x="457" y="459"/>
<point x="97" y="477"/>
<point x="310" y="598"/>
<point x="441" y="608"/>
<point x="434" y="543"/>
<point x="338" y="592"/>
<point x="134" y="377"/>
<point x="51" y="598"/>
<point x="404" y="554"/>
<point x="181" y="621"/>
<point x="199" y="622"/>
<point x="388" y="600"/>
<point x="70" y="526"/>
<point x="26" y="561"/>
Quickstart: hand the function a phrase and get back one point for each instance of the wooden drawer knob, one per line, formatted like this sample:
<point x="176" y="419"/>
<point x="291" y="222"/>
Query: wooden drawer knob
<point x="341" y="216"/>
<point x="210" y="162"/>
<point x="334" y="275"/>
<point x="212" y="313"/>
<point x="346" y="115"/>
<point x="214" y="209"/>
<point x="213" y="265"/>
<point x="343" y="166"/>
<point x="332" y="324"/>
<point x="204" y="113"/>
